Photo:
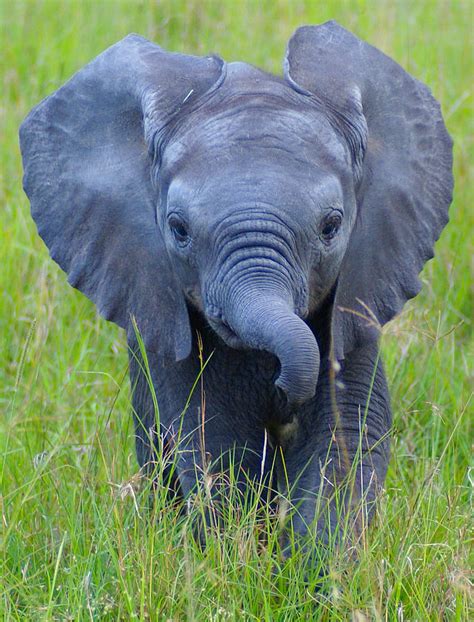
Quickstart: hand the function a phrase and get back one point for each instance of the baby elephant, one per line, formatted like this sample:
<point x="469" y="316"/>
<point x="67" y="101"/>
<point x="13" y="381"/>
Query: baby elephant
<point x="268" y="226"/>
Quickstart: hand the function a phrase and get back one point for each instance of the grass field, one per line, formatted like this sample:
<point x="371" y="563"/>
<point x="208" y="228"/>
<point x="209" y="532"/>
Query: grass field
<point x="76" y="540"/>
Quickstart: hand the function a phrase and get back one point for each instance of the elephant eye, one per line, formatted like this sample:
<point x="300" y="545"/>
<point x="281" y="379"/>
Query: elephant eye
<point x="179" y="230"/>
<point x="331" y="226"/>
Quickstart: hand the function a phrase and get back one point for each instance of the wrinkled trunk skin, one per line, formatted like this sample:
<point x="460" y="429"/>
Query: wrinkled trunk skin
<point x="266" y="321"/>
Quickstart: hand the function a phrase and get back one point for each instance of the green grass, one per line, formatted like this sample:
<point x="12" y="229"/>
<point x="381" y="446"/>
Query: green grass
<point x="76" y="538"/>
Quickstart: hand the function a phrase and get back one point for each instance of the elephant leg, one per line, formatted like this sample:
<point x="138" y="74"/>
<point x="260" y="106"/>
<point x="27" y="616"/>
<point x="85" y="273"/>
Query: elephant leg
<point x="338" y="458"/>
<point x="152" y="444"/>
<point x="223" y="463"/>
<point x="223" y="447"/>
<point x="205" y="442"/>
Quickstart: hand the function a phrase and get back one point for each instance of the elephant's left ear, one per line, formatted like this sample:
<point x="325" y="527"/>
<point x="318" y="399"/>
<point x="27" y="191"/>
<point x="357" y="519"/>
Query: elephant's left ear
<point x="402" y="162"/>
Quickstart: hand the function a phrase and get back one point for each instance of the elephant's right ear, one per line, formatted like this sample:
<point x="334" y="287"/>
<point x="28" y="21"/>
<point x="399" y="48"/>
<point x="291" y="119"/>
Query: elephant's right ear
<point x="87" y="156"/>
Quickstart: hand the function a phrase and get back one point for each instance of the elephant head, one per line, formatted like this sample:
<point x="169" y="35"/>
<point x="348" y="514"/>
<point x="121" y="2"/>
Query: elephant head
<point x="160" y="181"/>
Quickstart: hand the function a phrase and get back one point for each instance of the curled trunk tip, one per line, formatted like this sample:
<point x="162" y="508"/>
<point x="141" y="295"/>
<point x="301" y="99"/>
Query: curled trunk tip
<point x="267" y="322"/>
<point x="299" y="381"/>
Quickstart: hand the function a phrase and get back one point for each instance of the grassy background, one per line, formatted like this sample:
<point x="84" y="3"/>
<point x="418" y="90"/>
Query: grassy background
<point x="75" y="543"/>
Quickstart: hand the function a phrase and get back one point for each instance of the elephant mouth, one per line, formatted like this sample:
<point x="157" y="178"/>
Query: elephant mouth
<point x="226" y="333"/>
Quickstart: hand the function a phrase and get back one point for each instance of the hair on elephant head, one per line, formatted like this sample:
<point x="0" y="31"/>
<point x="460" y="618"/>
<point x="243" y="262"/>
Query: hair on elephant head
<point x="173" y="187"/>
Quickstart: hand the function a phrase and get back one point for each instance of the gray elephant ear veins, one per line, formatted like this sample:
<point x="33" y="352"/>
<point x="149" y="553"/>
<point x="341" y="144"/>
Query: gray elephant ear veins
<point x="405" y="184"/>
<point x="88" y="176"/>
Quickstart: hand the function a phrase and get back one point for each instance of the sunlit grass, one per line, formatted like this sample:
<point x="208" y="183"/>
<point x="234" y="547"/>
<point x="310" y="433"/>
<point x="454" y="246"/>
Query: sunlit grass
<point x="79" y="538"/>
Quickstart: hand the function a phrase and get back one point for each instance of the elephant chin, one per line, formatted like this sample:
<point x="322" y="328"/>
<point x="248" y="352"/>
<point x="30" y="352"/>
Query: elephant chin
<point x="265" y="322"/>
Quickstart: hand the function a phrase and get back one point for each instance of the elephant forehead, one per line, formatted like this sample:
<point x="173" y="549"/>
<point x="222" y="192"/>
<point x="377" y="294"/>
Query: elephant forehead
<point x="239" y="160"/>
<point x="251" y="125"/>
<point x="257" y="186"/>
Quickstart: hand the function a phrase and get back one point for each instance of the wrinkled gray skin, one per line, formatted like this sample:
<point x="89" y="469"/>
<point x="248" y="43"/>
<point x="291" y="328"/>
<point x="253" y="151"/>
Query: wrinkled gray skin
<point x="282" y="220"/>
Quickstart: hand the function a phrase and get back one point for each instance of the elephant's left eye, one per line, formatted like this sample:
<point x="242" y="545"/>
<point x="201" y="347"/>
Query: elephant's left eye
<point x="179" y="230"/>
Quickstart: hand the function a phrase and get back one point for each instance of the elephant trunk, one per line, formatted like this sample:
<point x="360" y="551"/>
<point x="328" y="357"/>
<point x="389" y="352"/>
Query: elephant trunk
<point x="265" y="321"/>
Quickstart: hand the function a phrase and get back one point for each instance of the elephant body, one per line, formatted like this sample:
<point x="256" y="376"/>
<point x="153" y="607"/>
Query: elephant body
<point x="251" y="233"/>
<point x="248" y="426"/>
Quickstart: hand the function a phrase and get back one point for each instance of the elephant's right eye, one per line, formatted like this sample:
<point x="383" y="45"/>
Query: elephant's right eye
<point x="179" y="230"/>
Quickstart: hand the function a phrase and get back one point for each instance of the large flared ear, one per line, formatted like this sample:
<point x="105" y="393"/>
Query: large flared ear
<point x="402" y="164"/>
<point x="88" y="152"/>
